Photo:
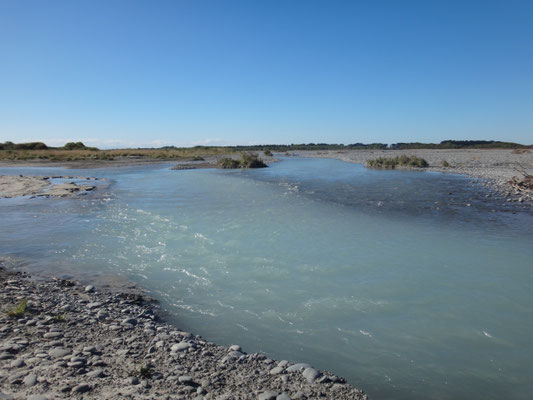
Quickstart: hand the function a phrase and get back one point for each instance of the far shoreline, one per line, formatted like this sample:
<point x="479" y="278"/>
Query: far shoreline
<point x="495" y="167"/>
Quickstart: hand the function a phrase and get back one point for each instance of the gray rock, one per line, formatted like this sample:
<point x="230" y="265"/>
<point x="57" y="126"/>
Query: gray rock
<point x="52" y="335"/>
<point x="235" y="354"/>
<point x="5" y="396"/>
<point x="276" y="370"/>
<point x="235" y="347"/>
<point x="19" y="362"/>
<point x="283" y="397"/>
<point x="97" y="373"/>
<point x="131" y="321"/>
<point x="59" y="352"/>
<point x="30" y="380"/>
<point x="89" y="288"/>
<point x="37" y="397"/>
<point x="81" y="388"/>
<point x="133" y="380"/>
<point x="298" y="367"/>
<point x="181" y="346"/>
<point x="185" y="379"/>
<point x="311" y="374"/>
<point x="95" y="304"/>
<point x="76" y="364"/>
<point x="268" y="395"/>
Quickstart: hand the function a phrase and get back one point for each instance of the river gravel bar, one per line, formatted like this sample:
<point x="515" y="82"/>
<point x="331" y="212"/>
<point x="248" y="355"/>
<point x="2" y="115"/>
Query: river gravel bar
<point x="19" y="185"/>
<point x="64" y="340"/>
<point x="495" y="167"/>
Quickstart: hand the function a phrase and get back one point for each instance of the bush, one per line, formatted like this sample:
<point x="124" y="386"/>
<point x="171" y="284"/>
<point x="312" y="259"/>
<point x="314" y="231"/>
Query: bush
<point x="267" y="153"/>
<point x="247" y="161"/>
<point x="445" y="164"/>
<point x="252" y="161"/>
<point x="399" y="161"/>
<point x="228" y="163"/>
<point x="77" y="146"/>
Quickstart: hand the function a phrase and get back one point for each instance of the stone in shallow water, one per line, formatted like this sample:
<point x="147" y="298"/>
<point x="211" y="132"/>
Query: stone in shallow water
<point x="89" y="288"/>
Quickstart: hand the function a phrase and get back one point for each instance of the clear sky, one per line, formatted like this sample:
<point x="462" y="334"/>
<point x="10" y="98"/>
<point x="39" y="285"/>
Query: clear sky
<point x="136" y="73"/>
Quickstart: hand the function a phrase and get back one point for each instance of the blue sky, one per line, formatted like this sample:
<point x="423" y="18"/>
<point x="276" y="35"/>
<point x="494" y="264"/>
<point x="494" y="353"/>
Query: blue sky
<point x="150" y="73"/>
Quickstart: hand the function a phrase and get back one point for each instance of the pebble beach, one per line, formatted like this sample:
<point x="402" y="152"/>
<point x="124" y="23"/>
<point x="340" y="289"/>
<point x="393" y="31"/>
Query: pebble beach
<point x="75" y="341"/>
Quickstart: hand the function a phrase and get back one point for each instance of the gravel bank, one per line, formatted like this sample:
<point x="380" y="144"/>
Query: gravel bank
<point x="495" y="167"/>
<point x="74" y="341"/>
<point x="19" y="185"/>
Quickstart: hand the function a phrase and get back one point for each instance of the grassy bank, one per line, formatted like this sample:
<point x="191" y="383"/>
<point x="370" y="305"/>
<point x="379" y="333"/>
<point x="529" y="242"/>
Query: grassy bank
<point x="90" y="154"/>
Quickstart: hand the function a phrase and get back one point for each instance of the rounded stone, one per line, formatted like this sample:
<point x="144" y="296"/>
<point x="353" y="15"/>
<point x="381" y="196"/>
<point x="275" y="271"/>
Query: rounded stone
<point x="81" y="388"/>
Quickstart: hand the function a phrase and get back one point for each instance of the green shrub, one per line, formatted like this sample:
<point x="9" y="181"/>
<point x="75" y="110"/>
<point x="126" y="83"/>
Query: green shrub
<point x="445" y="164"/>
<point x="18" y="310"/>
<point x="398" y="161"/>
<point x="267" y="153"/>
<point x="228" y="163"/>
<point x="247" y="161"/>
<point x="142" y="372"/>
<point x="252" y="161"/>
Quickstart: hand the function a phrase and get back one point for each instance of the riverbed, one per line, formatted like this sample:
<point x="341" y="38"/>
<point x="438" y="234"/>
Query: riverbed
<point x="409" y="284"/>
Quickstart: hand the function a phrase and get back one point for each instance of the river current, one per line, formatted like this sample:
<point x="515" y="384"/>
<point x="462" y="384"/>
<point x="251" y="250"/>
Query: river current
<point x="412" y="285"/>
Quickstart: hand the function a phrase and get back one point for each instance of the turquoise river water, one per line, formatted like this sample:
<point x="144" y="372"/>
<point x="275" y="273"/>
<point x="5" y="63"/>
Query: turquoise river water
<point x="412" y="285"/>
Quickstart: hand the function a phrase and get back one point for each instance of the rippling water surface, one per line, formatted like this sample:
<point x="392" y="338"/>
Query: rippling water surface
<point x="411" y="285"/>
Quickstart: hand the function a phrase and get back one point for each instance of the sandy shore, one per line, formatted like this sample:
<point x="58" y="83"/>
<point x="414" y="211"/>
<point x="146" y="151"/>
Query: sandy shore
<point x="495" y="167"/>
<point x="76" y="341"/>
<point x="19" y="185"/>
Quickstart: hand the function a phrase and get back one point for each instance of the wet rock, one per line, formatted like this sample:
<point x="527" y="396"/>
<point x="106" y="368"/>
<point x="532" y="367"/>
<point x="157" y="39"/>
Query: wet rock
<point x="89" y="288"/>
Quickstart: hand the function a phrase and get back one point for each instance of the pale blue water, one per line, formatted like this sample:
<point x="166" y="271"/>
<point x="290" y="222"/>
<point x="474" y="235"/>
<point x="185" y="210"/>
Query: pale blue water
<point x="387" y="278"/>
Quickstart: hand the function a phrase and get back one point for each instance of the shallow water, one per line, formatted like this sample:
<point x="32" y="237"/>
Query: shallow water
<point x="409" y="284"/>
